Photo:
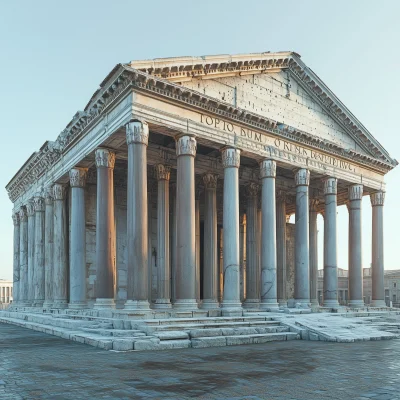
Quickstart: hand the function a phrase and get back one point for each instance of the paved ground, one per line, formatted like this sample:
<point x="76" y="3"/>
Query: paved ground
<point x="38" y="366"/>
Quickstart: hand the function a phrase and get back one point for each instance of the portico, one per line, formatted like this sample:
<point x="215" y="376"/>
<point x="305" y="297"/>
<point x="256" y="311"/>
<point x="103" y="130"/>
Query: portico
<point x="123" y="210"/>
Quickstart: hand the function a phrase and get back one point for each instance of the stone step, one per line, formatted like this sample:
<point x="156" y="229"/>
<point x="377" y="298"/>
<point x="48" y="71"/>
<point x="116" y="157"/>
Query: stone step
<point x="174" y="321"/>
<point x="214" y="332"/>
<point x="242" y="339"/>
<point x="213" y="325"/>
<point x="114" y="332"/>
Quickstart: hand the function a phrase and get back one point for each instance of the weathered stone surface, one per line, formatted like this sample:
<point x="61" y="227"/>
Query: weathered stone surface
<point x="239" y="339"/>
<point x="208" y="342"/>
<point x="197" y="333"/>
<point x="122" y="344"/>
<point x="167" y="335"/>
<point x="149" y="344"/>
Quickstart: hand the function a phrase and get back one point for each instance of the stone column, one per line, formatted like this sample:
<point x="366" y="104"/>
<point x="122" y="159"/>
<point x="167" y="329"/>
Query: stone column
<point x="356" y="298"/>
<point x="77" y="266"/>
<point x="378" y="285"/>
<point x="253" y="273"/>
<point x="30" y="209"/>
<point x="186" y="225"/>
<point x="197" y="225"/>
<point x="48" y="249"/>
<point x="220" y="240"/>
<point x="231" y="304"/>
<point x="210" y="273"/>
<point x="163" y="300"/>
<point x="330" y="244"/>
<point x="173" y="242"/>
<point x="60" y="247"/>
<point x="105" y="229"/>
<point x="16" y="264"/>
<point x="23" y="258"/>
<point x="302" y="274"/>
<point x="242" y="253"/>
<point x="281" y="248"/>
<point x="313" y="252"/>
<point x="39" y="273"/>
<point x="268" y="236"/>
<point x="137" y="137"/>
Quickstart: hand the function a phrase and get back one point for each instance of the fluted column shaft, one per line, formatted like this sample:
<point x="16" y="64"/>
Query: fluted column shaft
<point x="173" y="242"/>
<point x="60" y="247"/>
<point x="162" y="173"/>
<point x="210" y="273"/>
<point x="30" y="208"/>
<point x="105" y="229"/>
<point x="39" y="272"/>
<point x="378" y="283"/>
<point x="281" y="249"/>
<point x="77" y="269"/>
<point x="48" y="250"/>
<point x="330" y="291"/>
<point x="197" y="224"/>
<point x="186" y="225"/>
<point x="16" y="257"/>
<point x="231" y="296"/>
<point x="302" y="262"/>
<point x="268" y="246"/>
<point x="253" y="272"/>
<point x="23" y="258"/>
<point x="356" y="298"/>
<point x="313" y="252"/>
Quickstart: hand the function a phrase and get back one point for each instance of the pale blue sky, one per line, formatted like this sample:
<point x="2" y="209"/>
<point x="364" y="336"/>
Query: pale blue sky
<point x="54" y="54"/>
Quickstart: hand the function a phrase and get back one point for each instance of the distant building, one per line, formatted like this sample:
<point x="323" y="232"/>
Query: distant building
<point x="392" y="286"/>
<point x="6" y="293"/>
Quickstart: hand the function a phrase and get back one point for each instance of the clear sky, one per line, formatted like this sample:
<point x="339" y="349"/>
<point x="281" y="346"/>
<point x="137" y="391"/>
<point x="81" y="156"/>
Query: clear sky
<point x="54" y="54"/>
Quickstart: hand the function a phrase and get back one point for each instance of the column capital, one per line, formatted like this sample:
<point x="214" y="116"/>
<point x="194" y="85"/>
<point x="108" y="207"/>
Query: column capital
<point x="230" y="157"/>
<point x="314" y="203"/>
<point x="282" y="196"/>
<point x="77" y="177"/>
<point x="377" y="199"/>
<point x="186" y="146"/>
<point x="23" y="214"/>
<point x="253" y="189"/>
<point x="355" y="192"/>
<point x="30" y="208"/>
<point x="48" y="196"/>
<point x="330" y="185"/>
<point x="15" y="217"/>
<point x="137" y="132"/>
<point x="267" y="169"/>
<point x="58" y="192"/>
<point x="38" y="203"/>
<point x="210" y="180"/>
<point x="162" y="172"/>
<point x="104" y="158"/>
<point x="302" y="177"/>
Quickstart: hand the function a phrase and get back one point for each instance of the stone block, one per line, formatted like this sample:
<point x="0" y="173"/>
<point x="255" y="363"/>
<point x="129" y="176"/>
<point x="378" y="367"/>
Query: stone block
<point x="267" y="329"/>
<point x="240" y="339"/>
<point x="211" y="332"/>
<point x="118" y="324"/>
<point x="105" y="344"/>
<point x="171" y="335"/>
<point x="203" y="342"/>
<point x="148" y="344"/>
<point x="214" y="313"/>
<point x="127" y="333"/>
<point x="313" y="336"/>
<point x="174" y="344"/>
<point x="245" y="331"/>
<point x="127" y="324"/>
<point x="292" y="336"/>
<point x="122" y="344"/>
<point x="257" y="339"/>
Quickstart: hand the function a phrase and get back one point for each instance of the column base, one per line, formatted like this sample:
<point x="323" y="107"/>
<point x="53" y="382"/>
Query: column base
<point x="331" y="303"/>
<point x="314" y="302"/>
<point x="251" y="304"/>
<point x="209" y="304"/>
<point x="186" y="304"/>
<point x="378" y="303"/>
<point x="231" y="308"/>
<point x="269" y="305"/>
<point x="137" y="305"/>
<point x="304" y="303"/>
<point x="104" y="303"/>
<point x="38" y="303"/>
<point x="162" y="304"/>
<point x="24" y="303"/>
<point x="282" y="303"/>
<point x="60" y="304"/>
<point x="78" y="305"/>
<point x="48" y="304"/>
<point x="356" y="303"/>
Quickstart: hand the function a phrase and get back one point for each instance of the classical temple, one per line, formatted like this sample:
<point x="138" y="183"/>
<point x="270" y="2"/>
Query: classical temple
<point x="171" y="191"/>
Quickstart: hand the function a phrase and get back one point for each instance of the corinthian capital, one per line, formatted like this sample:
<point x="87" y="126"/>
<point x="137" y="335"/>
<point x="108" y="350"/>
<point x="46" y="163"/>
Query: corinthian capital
<point x="253" y="189"/>
<point x="48" y="196"/>
<point x="186" y="146"/>
<point x="267" y="169"/>
<point x="377" y="199"/>
<point x="137" y="132"/>
<point x="104" y="158"/>
<point x="330" y="186"/>
<point x="210" y="181"/>
<point x="15" y="218"/>
<point x="77" y="177"/>
<point x="23" y="214"/>
<point x="355" y="192"/>
<point x="314" y="204"/>
<point x="162" y="172"/>
<point x="230" y="158"/>
<point x="30" y="208"/>
<point x="302" y="177"/>
<point x="38" y="203"/>
<point x="281" y="196"/>
<point x="58" y="192"/>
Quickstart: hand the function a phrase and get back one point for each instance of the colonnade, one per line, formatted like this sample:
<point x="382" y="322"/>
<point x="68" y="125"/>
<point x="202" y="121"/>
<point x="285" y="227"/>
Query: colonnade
<point x="41" y="235"/>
